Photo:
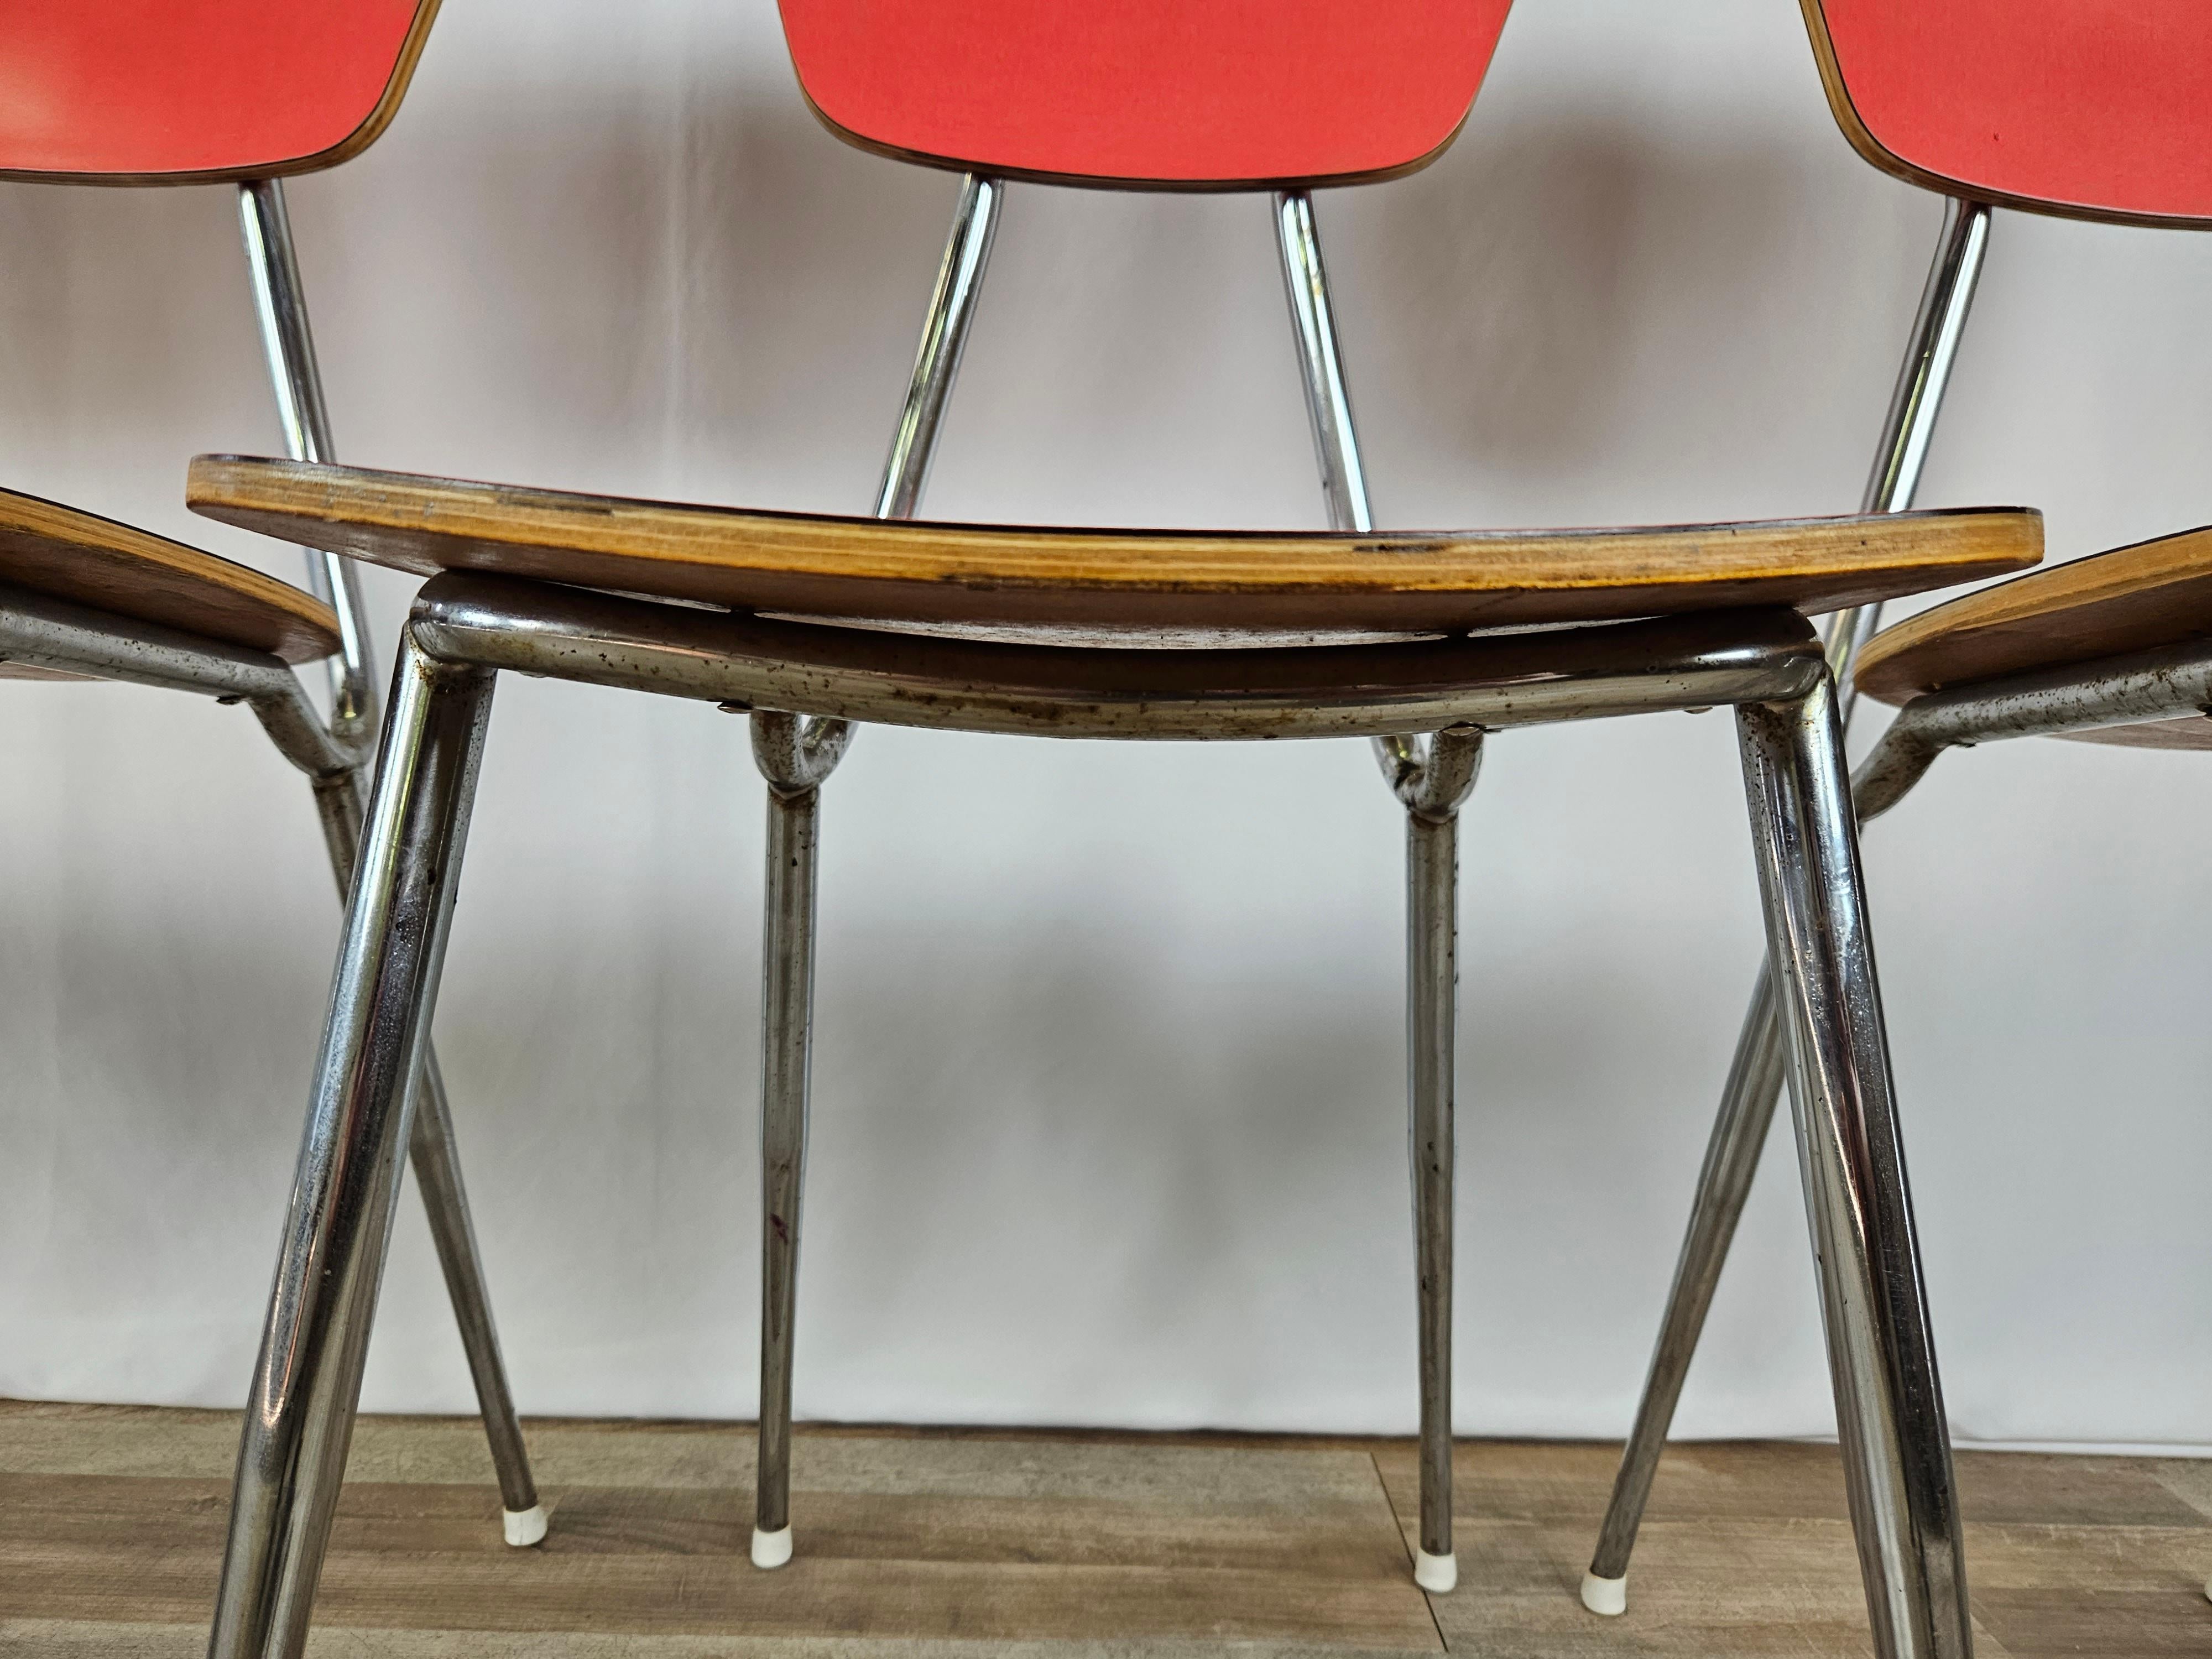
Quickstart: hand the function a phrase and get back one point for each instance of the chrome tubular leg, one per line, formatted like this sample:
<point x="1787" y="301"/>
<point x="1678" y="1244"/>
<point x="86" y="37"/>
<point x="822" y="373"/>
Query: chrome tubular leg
<point x="1882" y="1352"/>
<point x="794" y="756"/>
<point x="299" y="1421"/>
<point x="1756" y="1075"/>
<point x="435" y="1157"/>
<point x="1432" y="781"/>
<point x="1754" y="1084"/>
<point x="944" y="340"/>
<point x="280" y="303"/>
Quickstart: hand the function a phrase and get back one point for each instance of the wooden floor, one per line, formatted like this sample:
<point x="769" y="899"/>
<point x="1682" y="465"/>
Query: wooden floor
<point x="963" y="1545"/>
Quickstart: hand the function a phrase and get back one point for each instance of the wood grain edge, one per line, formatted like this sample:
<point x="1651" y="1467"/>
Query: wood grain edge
<point x="290" y="498"/>
<point x="1885" y="669"/>
<point x="69" y="527"/>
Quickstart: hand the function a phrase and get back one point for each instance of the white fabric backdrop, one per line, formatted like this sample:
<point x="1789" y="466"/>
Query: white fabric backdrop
<point x="1109" y="1125"/>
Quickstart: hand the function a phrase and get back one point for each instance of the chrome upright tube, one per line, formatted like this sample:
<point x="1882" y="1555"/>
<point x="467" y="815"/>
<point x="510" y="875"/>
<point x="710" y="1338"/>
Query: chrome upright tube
<point x="1432" y="781"/>
<point x="1915" y="403"/>
<point x="1882" y="1351"/>
<point x="1321" y="363"/>
<point x="1756" y="1074"/>
<point x="299" y="1421"/>
<point x="280" y="303"/>
<point x="1732" y="1156"/>
<point x="944" y="341"/>
<point x="795" y="754"/>
<point x="435" y="1157"/>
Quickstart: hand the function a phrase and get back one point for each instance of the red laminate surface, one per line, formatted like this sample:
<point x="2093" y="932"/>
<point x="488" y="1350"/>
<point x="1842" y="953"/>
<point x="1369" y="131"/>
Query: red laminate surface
<point x="2097" y="104"/>
<point x="138" y="87"/>
<point x="1171" y="92"/>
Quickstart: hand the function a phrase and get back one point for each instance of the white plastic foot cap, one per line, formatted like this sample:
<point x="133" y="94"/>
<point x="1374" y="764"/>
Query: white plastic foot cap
<point x="1606" y="1596"/>
<point x="526" y="1526"/>
<point x="1436" y="1574"/>
<point x="771" y="1549"/>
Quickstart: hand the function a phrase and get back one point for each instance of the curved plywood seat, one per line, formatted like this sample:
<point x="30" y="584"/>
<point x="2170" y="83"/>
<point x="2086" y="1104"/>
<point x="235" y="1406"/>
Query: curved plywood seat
<point x="870" y="569"/>
<point x="2133" y="598"/>
<point x="89" y="561"/>
<point x="1150" y="93"/>
<point x="188" y="91"/>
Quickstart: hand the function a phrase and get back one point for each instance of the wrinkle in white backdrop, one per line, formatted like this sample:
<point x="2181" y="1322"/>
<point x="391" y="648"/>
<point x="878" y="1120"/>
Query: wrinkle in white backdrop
<point x="1109" y="1120"/>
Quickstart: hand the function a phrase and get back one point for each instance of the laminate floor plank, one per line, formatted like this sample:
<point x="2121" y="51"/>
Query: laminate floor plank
<point x="59" y="1639"/>
<point x="2124" y="1623"/>
<point x="1000" y="1544"/>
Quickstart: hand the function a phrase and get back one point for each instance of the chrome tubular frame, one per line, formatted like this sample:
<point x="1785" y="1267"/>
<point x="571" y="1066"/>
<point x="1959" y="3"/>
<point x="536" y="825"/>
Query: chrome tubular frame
<point x="796" y="756"/>
<point x="1432" y="890"/>
<point x="1881" y="1355"/>
<point x="1495" y="681"/>
<point x="944" y="342"/>
<point x="1320" y="362"/>
<point x="1433" y="780"/>
<point x="281" y="307"/>
<point x="2172" y="682"/>
<point x="42" y="632"/>
<point x="1915" y="405"/>
<point x="466" y="626"/>
<point x="299" y="1421"/>
<point x="1756" y="1073"/>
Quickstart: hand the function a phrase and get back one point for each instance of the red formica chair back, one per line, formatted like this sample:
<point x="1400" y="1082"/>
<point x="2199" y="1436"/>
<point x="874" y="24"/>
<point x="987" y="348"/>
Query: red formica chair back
<point x="2098" y="109"/>
<point x="146" y="92"/>
<point x="1229" y="94"/>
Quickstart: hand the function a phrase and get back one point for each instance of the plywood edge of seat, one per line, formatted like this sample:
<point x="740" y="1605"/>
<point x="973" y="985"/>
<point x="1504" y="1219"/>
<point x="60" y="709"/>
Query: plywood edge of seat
<point x="864" y="568"/>
<point x="2135" y="597"/>
<point x="68" y="554"/>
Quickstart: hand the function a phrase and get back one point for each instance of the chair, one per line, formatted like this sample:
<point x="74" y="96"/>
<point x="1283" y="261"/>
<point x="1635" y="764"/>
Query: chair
<point x="2115" y="648"/>
<point x="2030" y="104"/>
<point x="242" y="92"/>
<point x="807" y="623"/>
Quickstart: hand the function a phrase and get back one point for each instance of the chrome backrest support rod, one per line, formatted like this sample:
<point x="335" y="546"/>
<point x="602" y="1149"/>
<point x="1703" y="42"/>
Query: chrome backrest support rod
<point x="281" y="305"/>
<point x="1914" y="406"/>
<point x="944" y="341"/>
<point x="1321" y="363"/>
<point x="1329" y="399"/>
